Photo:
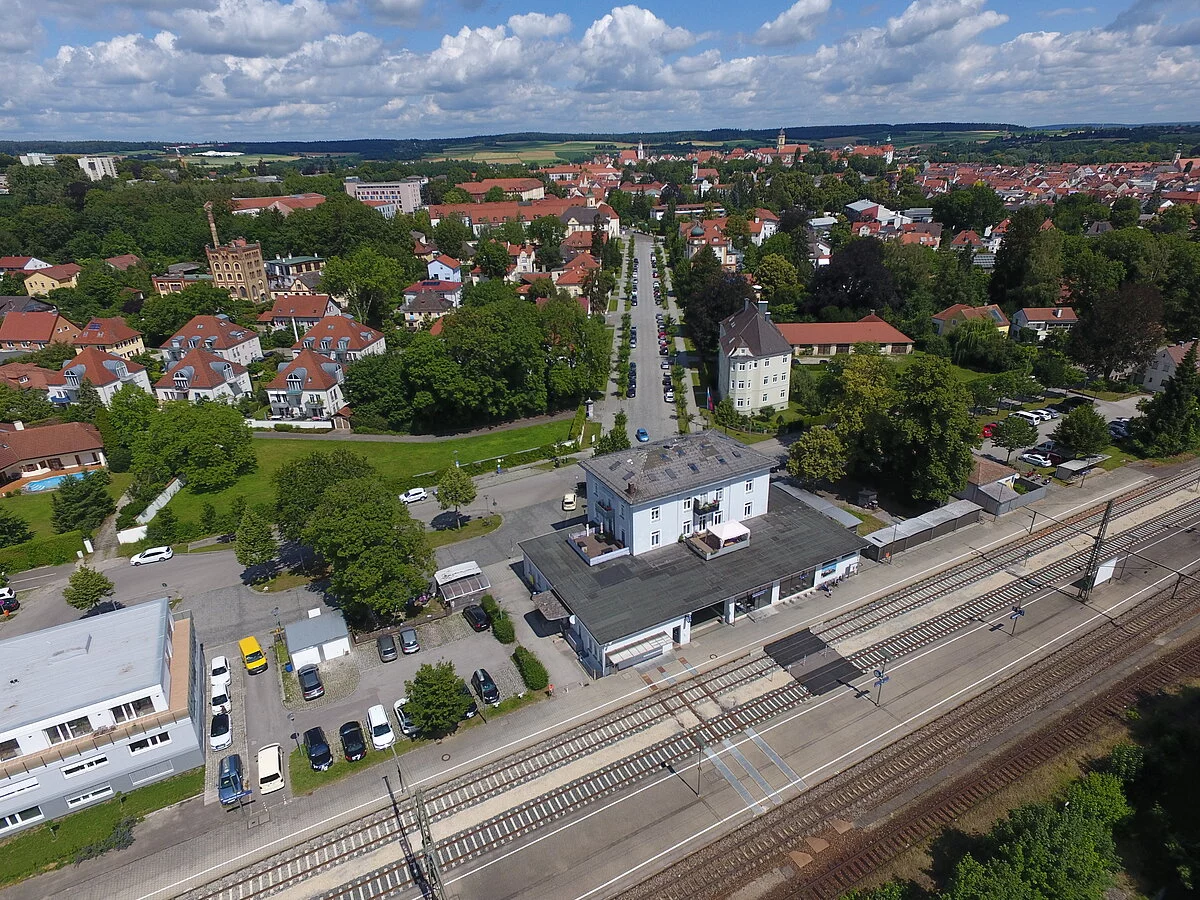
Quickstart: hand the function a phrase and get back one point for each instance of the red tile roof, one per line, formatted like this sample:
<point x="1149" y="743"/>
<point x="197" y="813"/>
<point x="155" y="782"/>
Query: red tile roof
<point x="8" y="263"/>
<point x="42" y="327"/>
<point x="47" y="441"/>
<point x="292" y="202"/>
<point x="448" y="261"/>
<point x="358" y="336"/>
<point x="124" y="261"/>
<point x="869" y="330"/>
<point x="297" y="306"/>
<point x="96" y="366"/>
<point x="206" y="370"/>
<point x="65" y="272"/>
<point x="25" y="376"/>
<point x="105" y="332"/>
<point x="315" y="369"/>
<point x="1049" y="314"/>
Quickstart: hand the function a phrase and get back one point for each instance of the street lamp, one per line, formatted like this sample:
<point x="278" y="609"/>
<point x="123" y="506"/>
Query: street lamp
<point x="275" y="613"/>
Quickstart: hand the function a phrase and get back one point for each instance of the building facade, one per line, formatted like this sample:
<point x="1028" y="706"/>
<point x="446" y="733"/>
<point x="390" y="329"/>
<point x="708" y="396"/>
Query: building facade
<point x="104" y="371"/>
<point x="202" y="375"/>
<point x="341" y="339"/>
<point x="406" y="192"/>
<point x="110" y="336"/>
<point x="97" y="167"/>
<point x="40" y="282"/>
<point x="218" y="335"/>
<point x="35" y="330"/>
<point x="309" y="387"/>
<point x="28" y="453"/>
<point x="753" y="361"/>
<point x="98" y="707"/>
<point x="238" y="268"/>
<point x="817" y="341"/>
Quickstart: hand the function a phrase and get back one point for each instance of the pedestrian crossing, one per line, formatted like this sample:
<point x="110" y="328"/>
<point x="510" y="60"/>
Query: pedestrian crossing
<point x="753" y="768"/>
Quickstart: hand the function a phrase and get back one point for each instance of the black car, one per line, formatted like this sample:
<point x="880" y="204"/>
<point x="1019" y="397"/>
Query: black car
<point x="632" y="392"/>
<point x="476" y="617"/>
<point x="473" y="708"/>
<point x="317" y="750"/>
<point x="386" y="645"/>
<point x="10" y="604"/>
<point x="310" y="682"/>
<point x="485" y="687"/>
<point x="354" y="745"/>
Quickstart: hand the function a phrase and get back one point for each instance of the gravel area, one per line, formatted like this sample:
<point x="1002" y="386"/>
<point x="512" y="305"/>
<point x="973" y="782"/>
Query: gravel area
<point x="340" y="677"/>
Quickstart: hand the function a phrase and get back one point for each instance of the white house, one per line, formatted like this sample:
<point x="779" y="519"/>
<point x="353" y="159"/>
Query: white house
<point x="318" y="638"/>
<point x="342" y="339"/>
<point x="202" y="375"/>
<point x="218" y="335"/>
<point x="1043" y="320"/>
<point x="444" y="268"/>
<point x="309" y="387"/>
<point x="753" y="361"/>
<point x="1164" y="365"/>
<point x="106" y="373"/>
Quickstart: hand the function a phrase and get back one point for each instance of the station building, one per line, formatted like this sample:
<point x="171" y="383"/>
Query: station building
<point x="679" y="532"/>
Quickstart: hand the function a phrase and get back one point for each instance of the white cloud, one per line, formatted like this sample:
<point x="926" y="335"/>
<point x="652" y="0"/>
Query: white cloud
<point x="533" y="26"/>
<point x="795" y="24"/>
<point x="925" y="18"/>
<point x="250" y="27"/>
<point x="403" y="11"/>
<point x="626" y="49"/>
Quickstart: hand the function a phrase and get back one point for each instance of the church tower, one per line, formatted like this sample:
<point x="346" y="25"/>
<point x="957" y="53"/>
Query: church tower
<point x="641" y="151"/>
<point x="780" y="141"/>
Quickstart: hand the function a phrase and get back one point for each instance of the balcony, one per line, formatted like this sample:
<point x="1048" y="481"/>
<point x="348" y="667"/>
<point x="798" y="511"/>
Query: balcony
<point x="704" y="507"/>
<point x="719" y="540"/>
<point x="595" y="547"/>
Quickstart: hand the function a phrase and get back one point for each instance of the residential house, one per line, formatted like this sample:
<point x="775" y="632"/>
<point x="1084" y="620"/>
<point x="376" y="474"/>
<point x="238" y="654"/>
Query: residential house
<point x="522" y="259"/>
<point x="450" y="291"/>
<point x="308" y="387"/>
<point x="35" y="330"/>
<point x="762" y="224"/>
<point x="967" y="239"/>
<point x="299" y="312"/>
<point x="589" y="218"/>
<point x="110" y="336"/>
<point x="285" y="206"/>
<point x="25" y="377"/>
<point x="406" y="192"/>
<point x="218" y="335"/>
<point x="106" y="373"/>
<point x="708" y="233"/>
<point x="953" y="316"/>
<point x="124" y="262"/>
<point x="422" y="309"/>
<point x="513" y="188"/>
<point x="1043" y="320"/>
<point x="21" y="265"/>
<point x="293" y="266"/>
<point x="341" y="339"/>
<point x="40" y="282"/>
<point x="61" y="449"/>
<point x="444" y="268"/>
<point x="98" y="707"/>
<point x="21" y="303"/>
<point x="201" y="375"/>
<point x="753" y="360"/>
<point x="175" y="283"/>
<point x="819" y="341"/>
<point x="678" y="529"/>
<point x="389" y="209"/>
<point x="1162" y="368"/>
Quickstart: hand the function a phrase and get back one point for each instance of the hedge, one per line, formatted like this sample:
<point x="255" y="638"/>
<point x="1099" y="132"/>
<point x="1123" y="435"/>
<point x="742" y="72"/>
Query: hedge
<point x="502" y="626"/>
<point x="51" y="551"/>
<point x="533" y="673"/>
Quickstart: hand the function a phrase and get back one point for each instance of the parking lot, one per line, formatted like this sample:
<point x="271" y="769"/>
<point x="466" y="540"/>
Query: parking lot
<point x="1110" y="409"/>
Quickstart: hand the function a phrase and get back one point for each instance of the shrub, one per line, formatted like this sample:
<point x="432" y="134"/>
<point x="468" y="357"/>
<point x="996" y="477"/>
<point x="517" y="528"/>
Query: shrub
<point x="490" y="606"/>
<point x="51" y="551"/>
<point x="121" y="838"/>
<point x="283" y="426"/>
<point x="502" y="628"/>
<point x="533" y="673"/>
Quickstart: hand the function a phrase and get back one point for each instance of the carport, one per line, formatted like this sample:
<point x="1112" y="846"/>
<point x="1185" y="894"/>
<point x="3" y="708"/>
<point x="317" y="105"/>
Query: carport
<point x="458" y="584"/>
<point x="317" y="639"/>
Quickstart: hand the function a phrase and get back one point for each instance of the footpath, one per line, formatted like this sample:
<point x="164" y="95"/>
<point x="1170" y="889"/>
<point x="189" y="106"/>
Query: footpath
<point x="180" y="848"/>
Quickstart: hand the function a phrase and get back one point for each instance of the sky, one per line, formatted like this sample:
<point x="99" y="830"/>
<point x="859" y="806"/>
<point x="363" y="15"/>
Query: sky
<point x="213" y="70"/>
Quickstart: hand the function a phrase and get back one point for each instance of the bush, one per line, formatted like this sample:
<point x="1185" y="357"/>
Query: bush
<point x="533" y="673"/>
<point x="283" y="426"/>
<point x="51" y="551"/>
<point x="502" y="629"/>
<point x="490" y="606"/>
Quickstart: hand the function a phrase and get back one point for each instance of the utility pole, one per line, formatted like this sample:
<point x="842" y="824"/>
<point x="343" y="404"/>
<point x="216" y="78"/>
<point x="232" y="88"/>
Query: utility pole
<point x="433" y="874"/>
<point x="1093" y="566"/>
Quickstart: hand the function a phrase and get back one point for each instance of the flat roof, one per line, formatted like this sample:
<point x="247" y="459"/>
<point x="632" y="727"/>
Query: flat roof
<point x="315" y="630"/>
<point x="676" y="465"/>
<point x="91" y="660"/>
<point x="632" y="593"/>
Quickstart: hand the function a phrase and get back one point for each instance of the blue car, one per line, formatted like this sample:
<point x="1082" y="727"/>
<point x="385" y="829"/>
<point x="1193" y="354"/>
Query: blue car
<point x="231" y="786"/>
<point x="642" y="435"/>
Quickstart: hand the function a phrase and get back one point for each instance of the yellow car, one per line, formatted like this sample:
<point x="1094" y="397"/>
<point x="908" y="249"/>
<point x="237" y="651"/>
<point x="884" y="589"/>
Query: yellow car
<point x="252" y="655"/>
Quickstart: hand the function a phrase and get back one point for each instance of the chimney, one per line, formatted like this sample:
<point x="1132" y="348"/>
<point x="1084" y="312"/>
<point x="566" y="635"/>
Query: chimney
<point x="762" y="308"/>
<point x="212" y="224"/>
<point x="1058" y="313"/>
<point x="18" y="425"/>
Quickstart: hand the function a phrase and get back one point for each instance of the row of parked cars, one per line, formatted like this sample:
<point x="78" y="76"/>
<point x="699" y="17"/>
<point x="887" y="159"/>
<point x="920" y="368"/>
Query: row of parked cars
<point x="232" y="784"/>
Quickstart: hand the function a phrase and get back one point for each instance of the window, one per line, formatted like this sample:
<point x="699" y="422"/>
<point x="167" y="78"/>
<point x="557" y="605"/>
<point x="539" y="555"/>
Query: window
<point x="18" y="787"/>
<point x="12" y="820"/>
<point x="765" y="381"/>
<point x="142" y="706"/>
<point x="150" y="740"/>
<point x="716" y="520"/>
<point x="687" y="527"/>
<point x="78" y="767"/>
<point x="782" y="395"/>
<point x="687" y="503"/>
<point x="747" y="510"/>
<point x="720" y="495"/>
<point x="654" y="514"/>
<point x="749" y="486"/>
<point x="654" y="538"/>
<point x="11" y="749"/>
<point x="741" y="402"/>
<point x="741" y="367"/>
<point x="766" y="362"/>
<point x="67" y="731"/>
<point x="94" y="794"/>
<point x="764" y="398"/>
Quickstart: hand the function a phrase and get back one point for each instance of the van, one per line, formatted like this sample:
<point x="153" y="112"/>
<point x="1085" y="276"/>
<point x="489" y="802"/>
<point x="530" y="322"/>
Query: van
<point x="485" y="687"/>
<point x="270" y="769"/>
<point x="253" y="657"/>
<point x="1029" y="417"/>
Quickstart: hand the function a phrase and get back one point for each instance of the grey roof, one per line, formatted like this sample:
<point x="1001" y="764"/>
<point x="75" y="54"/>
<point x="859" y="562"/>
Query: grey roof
<point x="823" y="506"/>
<point x="314" y="631"/>
<point x="68" y="667"/>
<point x="677" y="465"/>
<point x="22" y="304"/>
<point x="632" y="593"/>
<point x="749" y="328"/>
<point x="183" y="268"/>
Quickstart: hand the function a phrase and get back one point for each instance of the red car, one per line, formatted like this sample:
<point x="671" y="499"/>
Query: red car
<point x="989" y="428"/>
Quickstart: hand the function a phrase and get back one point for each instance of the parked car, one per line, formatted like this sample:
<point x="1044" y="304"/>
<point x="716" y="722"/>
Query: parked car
<point x="219" y="734"/>
<point x="386" y="645"/>
<point x="310" y="682"/>
<point x="153" y="555"/>
<point x="472" y="707"/>
<point x="408" y="641"/>
<point x="1048" y="414"/>
<point x="989" y="429"/>
<point x="476" y="617"/>
<point x="9" y="603"/>
<point x="231" y="782"/>
<point x="382" y="735"/>
<point x="316" y="748"/>
<point x="354" y="745"/>
<point x="219" y="698"/>
<point x="1036" y="459"/>
<point x="218" y="672"/>
<point x="270" y="769"/>
<point x="414" y="495"/>
<point x="253" y="657"/>
<point x="407" y="727"/>
<point x="485" y="687"/>
<point x="642" y="435"/>
<point x="669" y="396"/>
<point x="665" y="365"/>
<point x="569" y="502"/>
<point x="632" y="391"/>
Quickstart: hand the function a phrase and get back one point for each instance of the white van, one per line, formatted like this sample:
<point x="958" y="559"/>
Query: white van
<point x="1032" y="418"/>
<point x="382" y="735"/>
<point x="270" y="769"/>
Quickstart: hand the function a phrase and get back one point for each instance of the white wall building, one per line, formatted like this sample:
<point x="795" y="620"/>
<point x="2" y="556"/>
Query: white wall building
<point x="406" y="192"/>
<point x="97" y="167"/>
<point x="753" y="361"/>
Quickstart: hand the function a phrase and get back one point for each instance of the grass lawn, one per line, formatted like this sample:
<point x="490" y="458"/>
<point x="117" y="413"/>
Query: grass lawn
<point x="41" y="849"/>
<point x="473" y="528"/>
<point x="867" y="522"/>
<point x="36" y="509"/>
<point x="966" y="376"/>
<point x="395" y="460"/>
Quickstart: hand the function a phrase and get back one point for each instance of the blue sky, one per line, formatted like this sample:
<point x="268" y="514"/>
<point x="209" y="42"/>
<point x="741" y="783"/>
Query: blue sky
<point x="308" y="69"/>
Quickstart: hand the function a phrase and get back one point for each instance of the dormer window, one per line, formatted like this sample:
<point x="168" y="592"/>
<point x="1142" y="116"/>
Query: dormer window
<point x="308" y="343"/>
<point x="294" y="383"/>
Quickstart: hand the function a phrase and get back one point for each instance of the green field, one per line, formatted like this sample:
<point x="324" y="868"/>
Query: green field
<point x="35" y="508"/>
<point x="395" y="460"/>
<point x="517" y="152"/>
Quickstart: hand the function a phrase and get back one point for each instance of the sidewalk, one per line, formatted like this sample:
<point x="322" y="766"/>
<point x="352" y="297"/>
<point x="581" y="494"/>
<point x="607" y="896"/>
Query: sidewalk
<point x="564" y="416"/>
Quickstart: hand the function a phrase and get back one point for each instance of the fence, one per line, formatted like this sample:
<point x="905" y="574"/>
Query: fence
<point x="174" y="486"/>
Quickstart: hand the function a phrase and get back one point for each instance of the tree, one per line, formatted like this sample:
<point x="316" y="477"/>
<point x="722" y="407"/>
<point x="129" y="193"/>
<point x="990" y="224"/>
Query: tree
<point x="1014" y="432"/>
<point x="775" y="273"/>
<point x="495" y="194"/>
<point x="208" y="445"/>
<point x="819" y="455"/>
<point x="719" y="297"/>
<point x="450" y="234"/>
<point x="13" y="529"/>
<point x="1120" y="331"/>
<point x="1084" y="431"/>
<point x="87" y="403"/>
<point x="455" y="488"/>
<point x="82" y="502"/>
<point x="1125" y="212"/>
<point x="301" y="483"/>
<point x="164" y="314"/>
<point x="378" y="555"/>
<point x="372" y="282"/>
<point x="855" y="282"/>
<point x="1170" y="420"/>
<point x="618" y="438"/>
<point x="86" y="587"/>
<point x="494" y="290"/>
<point x="492" y="259"/>
<point x="164" y="527"/>
<point x="437" y="699"/>
<point x="975" y="208"/>
<point x="255" y="546"/>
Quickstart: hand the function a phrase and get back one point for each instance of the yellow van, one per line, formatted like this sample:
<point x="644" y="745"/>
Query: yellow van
<point x="252" y="655"/>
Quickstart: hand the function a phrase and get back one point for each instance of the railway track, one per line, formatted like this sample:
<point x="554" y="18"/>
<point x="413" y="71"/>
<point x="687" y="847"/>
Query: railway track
<point x="888" y="774"/>
<point x="856" y="621"/>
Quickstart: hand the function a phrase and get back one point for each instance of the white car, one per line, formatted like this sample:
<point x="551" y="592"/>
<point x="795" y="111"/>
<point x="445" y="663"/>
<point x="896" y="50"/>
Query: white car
<point x="153" y="555"/>
<point x="218" y="672"/>
<point x="414" y="495"/>
<point x="1036" y="459"/>
<point x="569" y="501"/>
<point x="407" y="727"/>
<point x="270" y="769"/>
<point x="219" y="734"/>
<point x="220" y="698"/>
<point x="382" y="735"/>
<point x="669" y="396"/>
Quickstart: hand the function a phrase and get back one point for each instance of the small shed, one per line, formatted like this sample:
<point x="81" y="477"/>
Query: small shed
<point x="319" y="638"/>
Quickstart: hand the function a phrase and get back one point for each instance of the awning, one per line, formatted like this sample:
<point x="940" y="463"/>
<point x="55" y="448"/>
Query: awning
<point x="465" y="587"/>
<point x="643" y="649"/>
<point x="550" y="606"/>
<point x="729" y="531"/>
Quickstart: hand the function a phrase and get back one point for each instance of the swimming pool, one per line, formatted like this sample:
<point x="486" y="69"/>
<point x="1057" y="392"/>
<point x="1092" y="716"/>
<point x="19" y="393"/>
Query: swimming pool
<point x="46" y="484"/>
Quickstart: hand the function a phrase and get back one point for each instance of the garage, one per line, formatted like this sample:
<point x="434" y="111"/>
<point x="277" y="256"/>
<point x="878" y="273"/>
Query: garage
<point x="320" y="637"/>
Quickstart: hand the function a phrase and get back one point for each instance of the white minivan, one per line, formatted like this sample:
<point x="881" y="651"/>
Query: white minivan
<point x="1032" y="418"/>
<point x="270" y="769"/>
<point x="382" y="735"/>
